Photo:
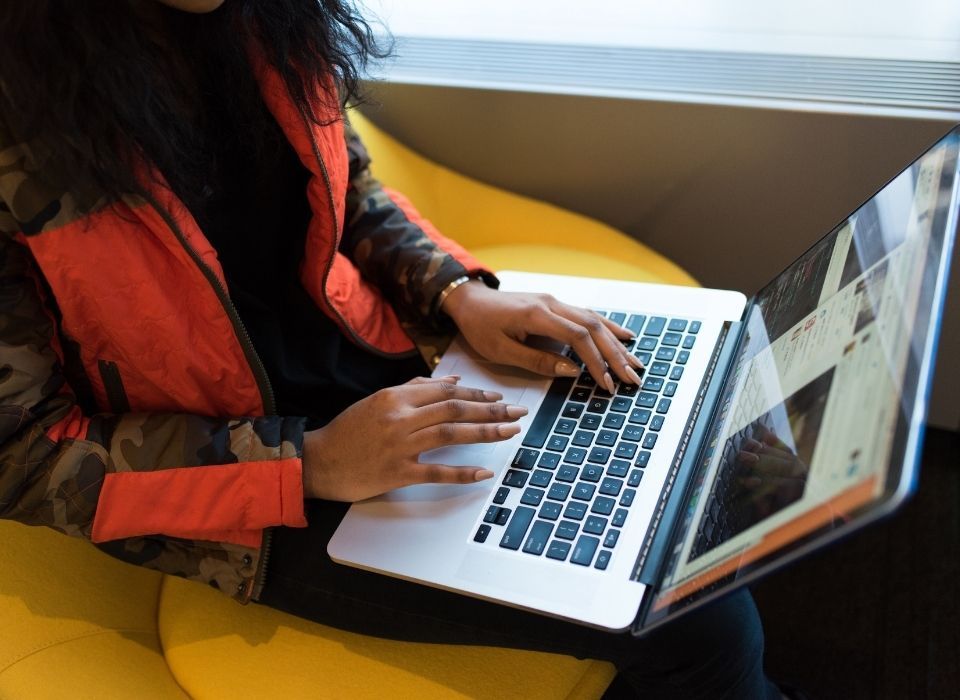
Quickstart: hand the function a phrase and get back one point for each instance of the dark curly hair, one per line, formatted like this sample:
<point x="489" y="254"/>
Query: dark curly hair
<point x="99" y="83"/>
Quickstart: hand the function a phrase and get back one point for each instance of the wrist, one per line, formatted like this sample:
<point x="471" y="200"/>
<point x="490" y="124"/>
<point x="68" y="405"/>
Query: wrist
<point x="459" y="298"/>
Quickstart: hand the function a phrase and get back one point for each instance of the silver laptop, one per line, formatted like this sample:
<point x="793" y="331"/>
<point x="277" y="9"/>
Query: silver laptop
<point x="764" y="428"/>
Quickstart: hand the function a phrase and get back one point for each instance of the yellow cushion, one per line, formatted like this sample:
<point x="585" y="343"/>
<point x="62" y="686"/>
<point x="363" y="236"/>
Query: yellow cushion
<point x="76" y="623"/>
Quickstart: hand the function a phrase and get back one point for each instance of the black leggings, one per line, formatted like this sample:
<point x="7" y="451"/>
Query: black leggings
<point x="714" y="652"/>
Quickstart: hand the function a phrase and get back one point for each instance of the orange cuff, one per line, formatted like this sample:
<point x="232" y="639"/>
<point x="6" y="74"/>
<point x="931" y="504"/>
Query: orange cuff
<point x="226" y="503"/>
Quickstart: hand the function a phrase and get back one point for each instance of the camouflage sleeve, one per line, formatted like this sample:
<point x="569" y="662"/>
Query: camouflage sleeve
<point x="55" y="462"/>
<point x="397" y="249"/>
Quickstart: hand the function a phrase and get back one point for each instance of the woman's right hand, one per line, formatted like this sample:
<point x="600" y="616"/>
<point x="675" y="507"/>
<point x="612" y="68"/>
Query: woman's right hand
<point x="374" y="446"/>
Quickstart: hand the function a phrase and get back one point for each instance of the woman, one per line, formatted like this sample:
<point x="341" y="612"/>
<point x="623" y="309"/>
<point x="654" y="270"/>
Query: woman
<point x="208" y="305"/>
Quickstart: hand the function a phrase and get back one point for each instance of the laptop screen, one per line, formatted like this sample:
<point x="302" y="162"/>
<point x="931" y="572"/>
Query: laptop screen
<point x="817" y="428"/>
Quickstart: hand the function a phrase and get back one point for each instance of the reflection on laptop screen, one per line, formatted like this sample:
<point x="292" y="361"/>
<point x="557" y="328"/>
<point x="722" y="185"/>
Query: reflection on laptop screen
<point x="805" y="433"/>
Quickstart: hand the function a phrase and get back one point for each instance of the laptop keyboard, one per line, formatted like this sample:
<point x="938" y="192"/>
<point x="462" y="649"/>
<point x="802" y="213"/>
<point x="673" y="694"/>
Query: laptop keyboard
<point x="569" y="489"/>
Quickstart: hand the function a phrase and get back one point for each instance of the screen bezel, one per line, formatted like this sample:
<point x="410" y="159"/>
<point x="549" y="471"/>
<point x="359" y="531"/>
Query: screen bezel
<point x="902" y="472"/>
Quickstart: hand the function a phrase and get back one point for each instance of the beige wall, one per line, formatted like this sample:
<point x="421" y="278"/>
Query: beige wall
<point x="732" y="194"/>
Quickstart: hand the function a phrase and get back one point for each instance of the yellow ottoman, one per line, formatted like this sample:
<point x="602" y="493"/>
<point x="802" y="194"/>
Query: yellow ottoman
<point x="76" y="624"/>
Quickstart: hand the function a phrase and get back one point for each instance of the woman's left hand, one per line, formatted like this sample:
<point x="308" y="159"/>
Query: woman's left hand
<point x="496" y="324"/>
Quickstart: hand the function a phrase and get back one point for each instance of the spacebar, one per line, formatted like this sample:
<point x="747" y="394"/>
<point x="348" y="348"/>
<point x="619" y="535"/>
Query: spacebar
<point x="547" y="415"/>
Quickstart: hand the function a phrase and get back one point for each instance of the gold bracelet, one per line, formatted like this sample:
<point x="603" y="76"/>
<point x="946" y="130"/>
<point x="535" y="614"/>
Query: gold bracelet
<point x="442" y="296"/>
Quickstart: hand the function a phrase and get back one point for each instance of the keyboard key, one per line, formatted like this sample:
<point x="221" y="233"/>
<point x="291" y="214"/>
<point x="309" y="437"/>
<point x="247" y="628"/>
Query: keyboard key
<point x="644" y="357"/>
<point x="567" y="530"/>
<point x="557" y="443"/>
<point x="640" y="416"/>
<point x="683" y="356"/>
<point x="547" y="413"/>
<point x="586" y="379"/>
<point x="635" y="477"/>
<point x="626" y="450"/>
<point x="575" y="455"/>
<point x="501" y="495"/>
<point x="549" y="460"/>
<point x="626" y="500"/>
<point x="635" y="323"/>
<point x="532" y="497"/>
<point x="558" y="550"/>
<point x="622" y="404"/>
<point x="655" y="325"/>
<point x="663" y="406"/>
<point x="599" y="455"/>
<point x="598" y="405"/>
<point x="643" y="459"/>
<point x="568" y="473"/>
<point x="581" y="394"/>
<point x="620" y="517"/>
<point x="618" y="467"/>
<point x="671" y="339"/>
<point x="491" y="515"/>
<point x="559" y="492"/>
<point x="592" y="472"/>
<point x="610" y="486"/>
<point x="659" y="369"/>
<point x="652" y="384"/>
<point x="617" y="317"/>
<point x="611" y="539"/>
<point x="590" y="421"/>
<point x="633" y="433"/>
<point x="517" y="529"/>
<point x="676" y="373"/>
<point x="575" y="510"/>
<point x="657" y="422"/>
<point x="650" y="441"/>
<point x="550" y="511"/>
<point x="647" y="344"/>
<point x="482" y="533"/>
<point x="539" y="534"/>
<point x="607" y="438"/>
<point x="670" y="389"/>
<point x="601" y="312"/>
<point x="603" y="505"/>
<point x="695" y="327"/>
<point x="583" y="491"/>
<point x="689" y="341"/>
<point x="646" y="400"/>
<point x="540" y="478"/>
<point x="677" y="324"/>
<point x="583" y="438"/>
<point x="525" y="459"/>
<point x="515" y="478"/>
<point x="571" y="410"/>
<point x="601" y="393"/>
<point x="666" y="354"/>
<point x="565" y="426"/>
<point x="595" y="525"/>
<point x="603" y="559"/>
<point x="584" y="550"/>
<point x="614" y="421"/>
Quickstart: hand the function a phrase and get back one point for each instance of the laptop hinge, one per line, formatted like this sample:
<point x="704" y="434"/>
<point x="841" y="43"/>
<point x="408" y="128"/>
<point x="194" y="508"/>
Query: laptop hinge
<point x="647" y="567"/>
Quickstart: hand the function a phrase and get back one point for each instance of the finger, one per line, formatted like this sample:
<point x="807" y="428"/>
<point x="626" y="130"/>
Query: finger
<point x="461" y="411"/>
<point x="425" y="393"/>
<point x="603" y="340"/>
<point x="542" y="362"/>
<point x="444" y="434"/>
<point x="452" y="378"/>
<point x="615" y="328"/>
<point x="577" y="336"/>
<point x="444" y="474"/>
<point x="765" y="465"/>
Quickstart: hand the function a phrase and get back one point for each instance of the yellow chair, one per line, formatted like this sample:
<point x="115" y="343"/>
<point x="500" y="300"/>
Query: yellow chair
<point x="75" y="623"/>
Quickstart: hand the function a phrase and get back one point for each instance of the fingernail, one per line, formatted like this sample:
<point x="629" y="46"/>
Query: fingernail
<point x="508" y="429"/>
<point x="492" y="395"/>
<point x="608" y="382"/>
<point x="483" y="475"/>
<point x="636" y="362"/>
<point x="634" y="377"/>
<point x="515" y="411"/>
<point x="748" y="457"/>
<point x="566" y="369"/>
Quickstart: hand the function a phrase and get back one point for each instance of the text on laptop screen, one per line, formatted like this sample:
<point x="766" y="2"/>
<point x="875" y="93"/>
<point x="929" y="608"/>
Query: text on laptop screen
<point x="811" y="427"/>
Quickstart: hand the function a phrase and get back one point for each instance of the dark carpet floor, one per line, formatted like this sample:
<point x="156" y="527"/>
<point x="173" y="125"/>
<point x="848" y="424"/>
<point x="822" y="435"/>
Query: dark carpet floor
<point x="877" y="615"/>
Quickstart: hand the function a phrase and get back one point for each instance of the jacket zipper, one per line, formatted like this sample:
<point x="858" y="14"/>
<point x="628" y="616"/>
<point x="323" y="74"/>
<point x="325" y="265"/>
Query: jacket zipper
<point x="333" y="251"/>
<point x="260" y="577"/>
<point x="253" y="359"/>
